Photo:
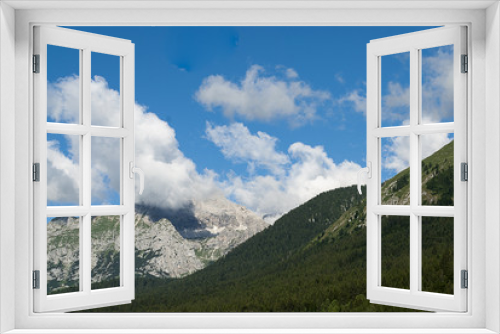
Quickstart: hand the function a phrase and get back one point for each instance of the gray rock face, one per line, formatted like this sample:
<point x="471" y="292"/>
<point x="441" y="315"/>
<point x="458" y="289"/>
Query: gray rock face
<point x="161" y="249"/>
<point x="63" y="252"/>
<point x="228" y="223"/>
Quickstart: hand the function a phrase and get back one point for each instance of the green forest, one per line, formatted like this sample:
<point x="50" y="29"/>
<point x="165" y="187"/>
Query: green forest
<point x="313" y="259"/>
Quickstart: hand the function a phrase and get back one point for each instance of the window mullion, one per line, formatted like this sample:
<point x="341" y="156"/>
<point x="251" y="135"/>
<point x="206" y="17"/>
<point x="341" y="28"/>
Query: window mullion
<point x="414" y="171"/>
<point x="86" y="241"/>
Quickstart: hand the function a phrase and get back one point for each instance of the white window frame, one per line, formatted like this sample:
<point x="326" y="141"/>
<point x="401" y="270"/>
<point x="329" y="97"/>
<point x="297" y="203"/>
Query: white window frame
<point x="86" y="44"/>
<point x="483" y="315"/>
<point x="413" y="43"/>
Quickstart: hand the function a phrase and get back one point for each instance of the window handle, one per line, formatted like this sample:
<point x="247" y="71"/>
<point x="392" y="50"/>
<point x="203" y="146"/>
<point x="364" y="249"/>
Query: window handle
<point x="368" y="171"/>
<point x="135" y="170"/>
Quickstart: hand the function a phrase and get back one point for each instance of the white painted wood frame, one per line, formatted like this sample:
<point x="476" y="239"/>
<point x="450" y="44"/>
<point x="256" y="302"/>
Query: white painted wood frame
<point x="414" y="43"/>
<point x="482" y="18"/>
<point x="86" y="43"/>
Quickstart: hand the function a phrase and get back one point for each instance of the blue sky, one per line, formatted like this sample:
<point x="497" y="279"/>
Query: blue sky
<point x="171" y="63"/>
<point x="189" y="76"/>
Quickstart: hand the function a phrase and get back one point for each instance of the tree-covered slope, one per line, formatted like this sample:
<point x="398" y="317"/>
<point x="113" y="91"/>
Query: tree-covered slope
<point x="313" y="259"/>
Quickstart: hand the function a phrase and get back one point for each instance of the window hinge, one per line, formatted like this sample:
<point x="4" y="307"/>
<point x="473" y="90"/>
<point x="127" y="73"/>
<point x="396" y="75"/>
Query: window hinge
<point x="464" y="171"/>
<point x="465" y="279"/>
<point x="465" y="64"/>
<point x="36" y="279"/>
<point x="36" y="172"/>
<point x="36" y="63"/>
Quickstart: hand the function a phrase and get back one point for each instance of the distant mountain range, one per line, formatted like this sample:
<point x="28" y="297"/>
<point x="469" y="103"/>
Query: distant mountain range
<point x="313" y="259"/>
<point x="169" y="243"/>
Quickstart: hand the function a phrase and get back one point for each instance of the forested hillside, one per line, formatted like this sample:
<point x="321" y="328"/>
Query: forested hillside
<point x="313" y="259"/>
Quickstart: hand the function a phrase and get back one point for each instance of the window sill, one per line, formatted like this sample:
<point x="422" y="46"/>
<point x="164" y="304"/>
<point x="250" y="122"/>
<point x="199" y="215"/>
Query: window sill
<point x="252" y="331"/>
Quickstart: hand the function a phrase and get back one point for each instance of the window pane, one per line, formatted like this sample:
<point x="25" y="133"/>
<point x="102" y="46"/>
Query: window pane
<point x="437" y="84"/>
<point x="395" y="90"/>
<point x="437" y="254"/>
<point x="396" y="251"/>
<point x="63" y="170"/>
<point x="105" y="90"/>
<point x="105" y="233"/>
<point x="63" y="85"/>
<point x="437" y="169"/>
<point x="105" y="170"/>
<point x="63" y="254"/>
<point x="395" y="171"/>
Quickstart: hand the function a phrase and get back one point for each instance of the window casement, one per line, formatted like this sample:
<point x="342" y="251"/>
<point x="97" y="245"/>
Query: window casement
<point x="87" y="136"/>
<point x="482" y="125"/>
<point x="84" y="129"/>
<point x="414" y="129"/>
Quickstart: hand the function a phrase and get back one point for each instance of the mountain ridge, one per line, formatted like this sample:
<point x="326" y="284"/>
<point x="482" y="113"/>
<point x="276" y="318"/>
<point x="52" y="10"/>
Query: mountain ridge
<point x="313" y="259"/>
<point x="161" y="250"/>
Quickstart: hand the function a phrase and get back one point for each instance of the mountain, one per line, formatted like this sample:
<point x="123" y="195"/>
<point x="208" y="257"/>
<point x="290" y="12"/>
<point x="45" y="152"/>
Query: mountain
<point x="194" y="237"/>
<point x="313" y="259"/>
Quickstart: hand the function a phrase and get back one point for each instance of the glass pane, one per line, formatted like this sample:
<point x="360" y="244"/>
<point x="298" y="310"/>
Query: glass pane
<point x="105" y="90"/>
<point x="437" y="84"/>
<point x="105" y="155"/>
<point x="105" y="233"/>
<point x="63" y="85"/>
<point x="395" y="89"/>
<point x="437" y="169"/>
<point x="395" y="170"/>
<point x="437" y="254"/>
<point x="63" y="169"/>
<point x="396" y="252"/>
<point x="63" y="255"/>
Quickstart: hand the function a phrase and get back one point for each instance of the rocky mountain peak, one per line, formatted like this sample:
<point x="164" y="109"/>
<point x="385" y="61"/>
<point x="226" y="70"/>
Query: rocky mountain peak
<point x="169" y="243"/>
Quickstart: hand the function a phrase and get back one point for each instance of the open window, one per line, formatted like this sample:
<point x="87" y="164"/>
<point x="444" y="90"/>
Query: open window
<point x="414" y="125"/>
<point x="84" y="171"/>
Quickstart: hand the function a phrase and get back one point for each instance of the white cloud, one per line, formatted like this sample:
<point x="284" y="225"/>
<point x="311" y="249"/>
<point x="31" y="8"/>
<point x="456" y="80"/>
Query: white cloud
<point x="104" y="103"/>
<point x="434" y="142"/>
<point x="171" y="179"/>
<point x="356" y="99"/>
<point x="309" y="172"/>
<point x="63" y="99"/>
<point x="437" y="106"/>
<point x="437" y="90"/>
<point x="396" y="151"/>
<point x="291" y="73"/>
<point x="397" y="96"/>
<point x="239" y="145"/>
<point x="263" y="98"/>
<point x="339" y="78"/>
<point x="437" y="85"/>
<point x="62" y="175"/>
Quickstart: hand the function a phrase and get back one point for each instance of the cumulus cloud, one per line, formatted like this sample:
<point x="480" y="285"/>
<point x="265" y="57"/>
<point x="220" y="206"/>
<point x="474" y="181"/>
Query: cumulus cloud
<point x="355" y="99"/>
<point x="171" y="179"/>
<point x="289" y="178"/>
<point x="396" y="103"/>
<point x="339" y="78"/>
<point x="308" y="172"/>
<point x="291" y="73"/>
<point x="62" y="175"/>
<point x="437" y="85"/>
<point x="262" y="98"/>
<point x="396" y="151"/>
<point x="437" y="106"/>
<point x="239" y="145"/>
<point x="63" y="99"/>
